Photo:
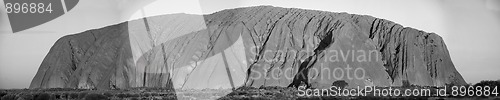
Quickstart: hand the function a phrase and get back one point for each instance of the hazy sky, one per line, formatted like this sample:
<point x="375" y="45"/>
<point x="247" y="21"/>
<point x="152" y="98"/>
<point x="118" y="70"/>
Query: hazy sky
<point x="470" y="28"/>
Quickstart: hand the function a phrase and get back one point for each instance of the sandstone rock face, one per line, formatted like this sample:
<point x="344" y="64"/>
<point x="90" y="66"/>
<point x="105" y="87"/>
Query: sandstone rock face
<point x="98" y="57"/>
<point x="254" y="46"/>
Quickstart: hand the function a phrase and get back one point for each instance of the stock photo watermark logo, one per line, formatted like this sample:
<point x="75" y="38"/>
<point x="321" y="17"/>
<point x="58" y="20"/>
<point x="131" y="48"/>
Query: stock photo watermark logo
<point x="25" y="14"/>
<point x="325" y="65"/>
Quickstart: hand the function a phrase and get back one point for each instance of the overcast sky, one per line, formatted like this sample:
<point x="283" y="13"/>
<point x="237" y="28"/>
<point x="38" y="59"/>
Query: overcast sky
<point x="470" y="28"/>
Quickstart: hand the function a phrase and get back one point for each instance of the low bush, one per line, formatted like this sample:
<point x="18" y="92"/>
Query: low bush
<point x="107" y="94"/>
<point x="2" y="93"/>
<point x="121" y="95"/>
<point x="25" y="96"/>
<point x="43" y="96"/>
<point x="489" y="83"/>
<point x="95" y="96"/>
<point x="73" y="95"/>
<point x="9" y="97"/>
<point x="81" y="95"/>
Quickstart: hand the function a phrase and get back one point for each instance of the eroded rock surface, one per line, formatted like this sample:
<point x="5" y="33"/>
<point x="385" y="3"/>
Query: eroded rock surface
<point x="253" y="46"/>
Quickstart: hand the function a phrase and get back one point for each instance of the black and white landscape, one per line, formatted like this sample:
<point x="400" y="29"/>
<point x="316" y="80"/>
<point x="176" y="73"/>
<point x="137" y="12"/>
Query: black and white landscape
<point x="256" y="52"/>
